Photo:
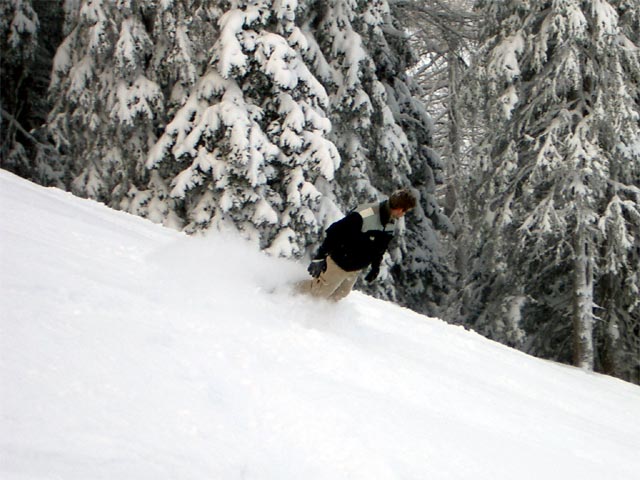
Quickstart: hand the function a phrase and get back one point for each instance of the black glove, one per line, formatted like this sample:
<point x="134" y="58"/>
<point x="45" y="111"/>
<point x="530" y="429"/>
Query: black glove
<point x="317" y="267"/>
<point x="373" y="274"/>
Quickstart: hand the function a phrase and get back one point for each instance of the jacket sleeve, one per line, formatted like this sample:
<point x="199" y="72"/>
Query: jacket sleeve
<point x="337" y="232"/>
<point x="377" y="260"/>
<point x="375" y="264"/>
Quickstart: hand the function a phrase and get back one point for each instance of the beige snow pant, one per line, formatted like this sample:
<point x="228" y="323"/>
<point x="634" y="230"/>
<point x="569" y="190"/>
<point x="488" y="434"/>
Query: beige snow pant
<point x="333" y="284"/>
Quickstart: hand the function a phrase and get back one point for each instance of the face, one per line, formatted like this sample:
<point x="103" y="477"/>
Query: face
<point x="397" y="213"/>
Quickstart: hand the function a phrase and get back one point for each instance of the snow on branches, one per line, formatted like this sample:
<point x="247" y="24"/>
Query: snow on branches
<point x="252" y="134"/>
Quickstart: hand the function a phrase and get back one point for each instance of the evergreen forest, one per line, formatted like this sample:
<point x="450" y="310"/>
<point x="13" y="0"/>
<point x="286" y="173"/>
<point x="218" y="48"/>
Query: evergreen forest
<point x="516" y="123"/>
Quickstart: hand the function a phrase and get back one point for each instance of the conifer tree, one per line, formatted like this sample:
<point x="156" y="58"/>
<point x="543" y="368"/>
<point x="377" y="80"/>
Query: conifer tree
<point x="19" y="26"/>
<point x="182" y="32"/>
<point x="618" y="288"/>
<point x="558" y="178"/>
<point x="31" y="32"/>
<point x="107" y="105"/>
<point x="250" y="139"/>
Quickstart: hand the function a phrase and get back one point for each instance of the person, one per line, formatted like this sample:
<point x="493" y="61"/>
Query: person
<point x="357" y="241"/>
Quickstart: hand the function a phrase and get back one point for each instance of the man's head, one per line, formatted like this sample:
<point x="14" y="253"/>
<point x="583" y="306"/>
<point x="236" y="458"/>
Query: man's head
<point x="401" y="201"/>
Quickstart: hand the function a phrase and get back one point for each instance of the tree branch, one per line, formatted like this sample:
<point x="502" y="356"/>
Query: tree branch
<point x="11" y="119"/>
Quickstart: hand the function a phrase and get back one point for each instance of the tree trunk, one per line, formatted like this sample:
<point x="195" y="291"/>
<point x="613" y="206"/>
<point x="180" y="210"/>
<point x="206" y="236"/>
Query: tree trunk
<point x="583" y="317"/>
<point x="611" y="355"/>
<point x="453" y="134"/>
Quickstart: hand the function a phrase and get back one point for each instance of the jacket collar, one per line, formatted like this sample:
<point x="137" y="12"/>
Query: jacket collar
<point x="385" y="212"/>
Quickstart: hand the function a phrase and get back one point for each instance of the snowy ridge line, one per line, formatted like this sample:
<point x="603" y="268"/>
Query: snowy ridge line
<point x="128" y="350"/>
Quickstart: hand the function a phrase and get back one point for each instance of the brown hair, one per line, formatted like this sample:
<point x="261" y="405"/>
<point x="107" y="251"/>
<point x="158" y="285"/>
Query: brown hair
<point x="404" y="199"/>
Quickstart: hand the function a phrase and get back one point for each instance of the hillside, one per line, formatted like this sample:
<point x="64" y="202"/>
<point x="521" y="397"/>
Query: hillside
<point x="129" y="351"/>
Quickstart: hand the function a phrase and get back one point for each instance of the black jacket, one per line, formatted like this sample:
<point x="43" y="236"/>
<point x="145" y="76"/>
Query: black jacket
<point x="359" y="239"/>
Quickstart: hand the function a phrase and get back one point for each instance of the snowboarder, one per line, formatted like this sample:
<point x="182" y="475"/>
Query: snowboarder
<point x="358" y="240"/>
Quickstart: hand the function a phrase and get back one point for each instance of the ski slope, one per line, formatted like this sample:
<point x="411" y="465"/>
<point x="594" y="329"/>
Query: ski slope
<point x="129" y="351"/>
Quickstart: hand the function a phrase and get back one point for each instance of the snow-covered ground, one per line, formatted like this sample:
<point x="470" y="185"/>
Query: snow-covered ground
<point x="129" y="351"/>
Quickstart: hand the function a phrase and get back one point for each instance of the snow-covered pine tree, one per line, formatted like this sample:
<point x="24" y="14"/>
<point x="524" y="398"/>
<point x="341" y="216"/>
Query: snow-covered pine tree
<point x="558" y="177"/>
<point x="106" y="108"/>
<point x="618" y="286"/>
<point x="182" y="32"/>
<point x="19" y="30"/>
<point x="31" y="32"/>
<point x="383" y="134"/>
<point x="250" y="139"/>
